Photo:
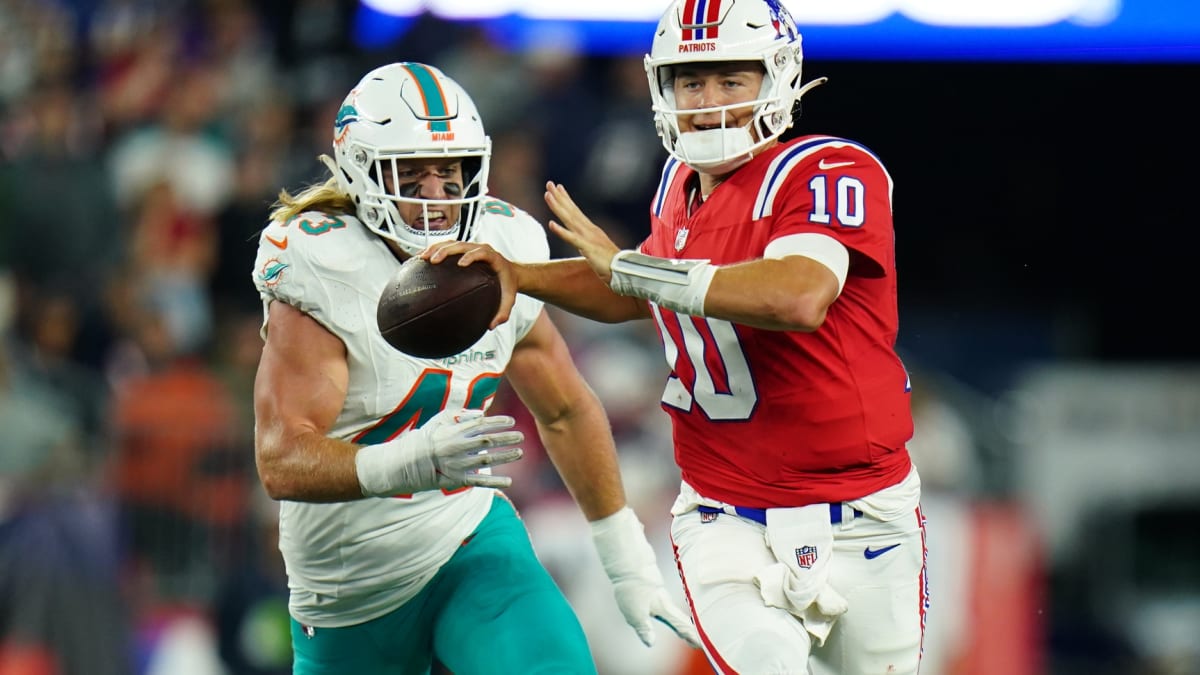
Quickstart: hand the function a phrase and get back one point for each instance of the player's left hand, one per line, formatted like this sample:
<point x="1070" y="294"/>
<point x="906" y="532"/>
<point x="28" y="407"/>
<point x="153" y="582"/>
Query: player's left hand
<point x="630" y="564"/>
<point x="579" y="231"/>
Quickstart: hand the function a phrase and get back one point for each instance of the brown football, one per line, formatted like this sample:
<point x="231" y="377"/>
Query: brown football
<point x="435" y="311"/>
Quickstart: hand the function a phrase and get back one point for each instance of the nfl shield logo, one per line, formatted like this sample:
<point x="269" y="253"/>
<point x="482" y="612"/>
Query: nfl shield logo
<point x="681" y="239"/>
<point x="708" y="516"/>
<point x="806" y="556"/>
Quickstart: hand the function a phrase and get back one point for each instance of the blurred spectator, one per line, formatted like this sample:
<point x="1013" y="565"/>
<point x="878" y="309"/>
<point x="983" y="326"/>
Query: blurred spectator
<point x="37" y="45"/>
<point x="943" y="446"/>
<point x="41" y="357"/>
<point x="179" y="473"/>
<point x="59" y="608"/>
<point x="41" y="430"/>
<point x="185" y="148"/>
<point x="269" y="154"/>
<point x="135" y="47"/>
<point x="173" y="251"/>
<point x="565" y="104"/>
<point x="251" y="605"/>
<point x="60" y="227"/>
<point x="314" y="47"/>
<point x="494" y="76"/>
<point x="235" y="43"/>
<point x="622" y="168"/>
<point x="517" y="174"/>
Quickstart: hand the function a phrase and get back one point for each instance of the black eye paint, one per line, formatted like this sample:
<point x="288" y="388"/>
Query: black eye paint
<point x="413" y="190"/>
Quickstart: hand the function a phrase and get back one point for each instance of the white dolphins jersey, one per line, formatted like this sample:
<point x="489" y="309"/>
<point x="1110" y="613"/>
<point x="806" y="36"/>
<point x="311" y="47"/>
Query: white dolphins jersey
<point x="354" y="561"/>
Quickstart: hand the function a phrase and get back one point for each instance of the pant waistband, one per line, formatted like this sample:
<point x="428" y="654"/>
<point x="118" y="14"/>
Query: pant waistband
<point x="838" y="512"/>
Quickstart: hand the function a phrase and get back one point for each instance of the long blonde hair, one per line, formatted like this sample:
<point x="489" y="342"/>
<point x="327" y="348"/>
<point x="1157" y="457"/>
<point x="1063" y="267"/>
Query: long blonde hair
<point x="324" y="197"/>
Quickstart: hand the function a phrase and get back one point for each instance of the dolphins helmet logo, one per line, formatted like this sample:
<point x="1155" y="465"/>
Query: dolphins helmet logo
<point x="346" y="115"/>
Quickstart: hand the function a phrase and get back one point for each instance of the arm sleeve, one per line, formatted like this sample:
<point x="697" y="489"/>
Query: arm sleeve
<point x="843" y="192"/>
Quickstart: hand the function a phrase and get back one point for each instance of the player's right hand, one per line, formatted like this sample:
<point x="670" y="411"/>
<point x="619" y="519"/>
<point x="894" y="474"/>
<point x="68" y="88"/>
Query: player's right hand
<point x="575" y="228"/>
<point x="447" y="452"/>
<point x="473" y="252"/>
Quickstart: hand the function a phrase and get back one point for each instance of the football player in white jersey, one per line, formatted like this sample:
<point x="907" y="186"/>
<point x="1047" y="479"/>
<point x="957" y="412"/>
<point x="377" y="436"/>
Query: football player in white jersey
<point x="398" y="546"/>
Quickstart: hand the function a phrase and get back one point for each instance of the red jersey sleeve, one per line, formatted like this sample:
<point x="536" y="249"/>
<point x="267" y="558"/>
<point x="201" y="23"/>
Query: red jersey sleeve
<point x="833" y="187"/>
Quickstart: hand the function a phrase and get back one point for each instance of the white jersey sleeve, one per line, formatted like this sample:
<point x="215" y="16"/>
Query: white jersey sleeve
<point x="519" y="237"/>
<point x="327" y="266"/>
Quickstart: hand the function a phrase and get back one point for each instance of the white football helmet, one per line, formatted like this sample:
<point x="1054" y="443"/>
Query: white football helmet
<point x="407" y="111"/>
<point x="692" y="31"/>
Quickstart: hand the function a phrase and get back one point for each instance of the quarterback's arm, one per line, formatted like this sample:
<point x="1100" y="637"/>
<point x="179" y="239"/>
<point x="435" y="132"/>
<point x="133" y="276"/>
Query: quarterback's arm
<point x="569" y="284"/>
<point x="789" y="293"/>
<point x="298" y="392"/>
<point x="575" y="432"/>
<point x="788" y="289"/>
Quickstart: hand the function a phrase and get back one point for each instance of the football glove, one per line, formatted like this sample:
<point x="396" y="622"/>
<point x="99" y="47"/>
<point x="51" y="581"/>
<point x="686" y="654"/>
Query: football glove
<point x="637" y="583"/>
<point x="447" y="452"/>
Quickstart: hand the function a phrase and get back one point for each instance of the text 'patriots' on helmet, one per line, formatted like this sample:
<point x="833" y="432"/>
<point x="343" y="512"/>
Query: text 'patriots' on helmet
<point x="695" y="31"/>
<point x="403" y="112"/>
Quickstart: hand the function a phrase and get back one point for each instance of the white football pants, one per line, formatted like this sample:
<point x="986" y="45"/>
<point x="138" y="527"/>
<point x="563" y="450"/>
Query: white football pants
<point x="877" y="566"/>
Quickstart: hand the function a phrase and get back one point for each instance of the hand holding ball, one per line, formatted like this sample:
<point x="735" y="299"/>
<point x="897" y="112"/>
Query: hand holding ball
<point x="435" y="311"/>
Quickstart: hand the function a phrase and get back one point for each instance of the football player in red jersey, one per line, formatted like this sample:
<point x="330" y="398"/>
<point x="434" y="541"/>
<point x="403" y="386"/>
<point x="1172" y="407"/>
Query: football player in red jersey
<point x="770" y="272"/>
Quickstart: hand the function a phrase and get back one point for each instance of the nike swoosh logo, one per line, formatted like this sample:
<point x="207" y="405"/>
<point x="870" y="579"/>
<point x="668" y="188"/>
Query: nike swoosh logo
<point x="870" y="554"/>
<point x="279" y="243"/>
<point x="825" y="166"/>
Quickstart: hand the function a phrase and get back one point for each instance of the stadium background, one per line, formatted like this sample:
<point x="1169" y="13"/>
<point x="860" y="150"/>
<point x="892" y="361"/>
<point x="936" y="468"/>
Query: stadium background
<point x="1046" y="240"/>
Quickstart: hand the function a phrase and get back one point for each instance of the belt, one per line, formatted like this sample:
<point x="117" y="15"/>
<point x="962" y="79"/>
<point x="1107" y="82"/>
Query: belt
<point x="838" y="511"/>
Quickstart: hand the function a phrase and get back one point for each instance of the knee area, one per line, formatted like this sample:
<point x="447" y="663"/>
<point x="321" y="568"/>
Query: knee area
<point x="769" y="652"/>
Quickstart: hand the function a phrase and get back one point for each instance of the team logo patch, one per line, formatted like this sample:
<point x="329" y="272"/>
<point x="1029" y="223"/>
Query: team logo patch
<point x="346" y="116"/>
<point x="272" y="272"/>
<point x="681" y="239"/>
<point x="781" y="20"/>
<point x="806" y="556"/>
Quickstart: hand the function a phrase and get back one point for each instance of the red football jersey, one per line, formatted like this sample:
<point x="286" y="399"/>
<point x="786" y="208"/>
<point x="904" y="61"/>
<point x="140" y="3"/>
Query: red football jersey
<point x="769" y="418"/>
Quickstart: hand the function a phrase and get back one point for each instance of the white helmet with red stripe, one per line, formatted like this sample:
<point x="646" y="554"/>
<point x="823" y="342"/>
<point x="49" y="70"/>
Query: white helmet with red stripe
<point x="694" y="31"/>
<point x="405" y="111"/>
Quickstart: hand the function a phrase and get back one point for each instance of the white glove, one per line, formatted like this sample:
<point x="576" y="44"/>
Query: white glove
<point x="629" y="563"/>
<point x="447" y="452"/>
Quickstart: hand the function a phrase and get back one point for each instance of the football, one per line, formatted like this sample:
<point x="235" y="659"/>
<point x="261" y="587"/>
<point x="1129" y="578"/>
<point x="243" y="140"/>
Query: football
<point x="435" y="311"/>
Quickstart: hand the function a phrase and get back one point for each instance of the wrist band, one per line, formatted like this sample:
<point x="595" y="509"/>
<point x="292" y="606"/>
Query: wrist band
<point x="678" y="285"/>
